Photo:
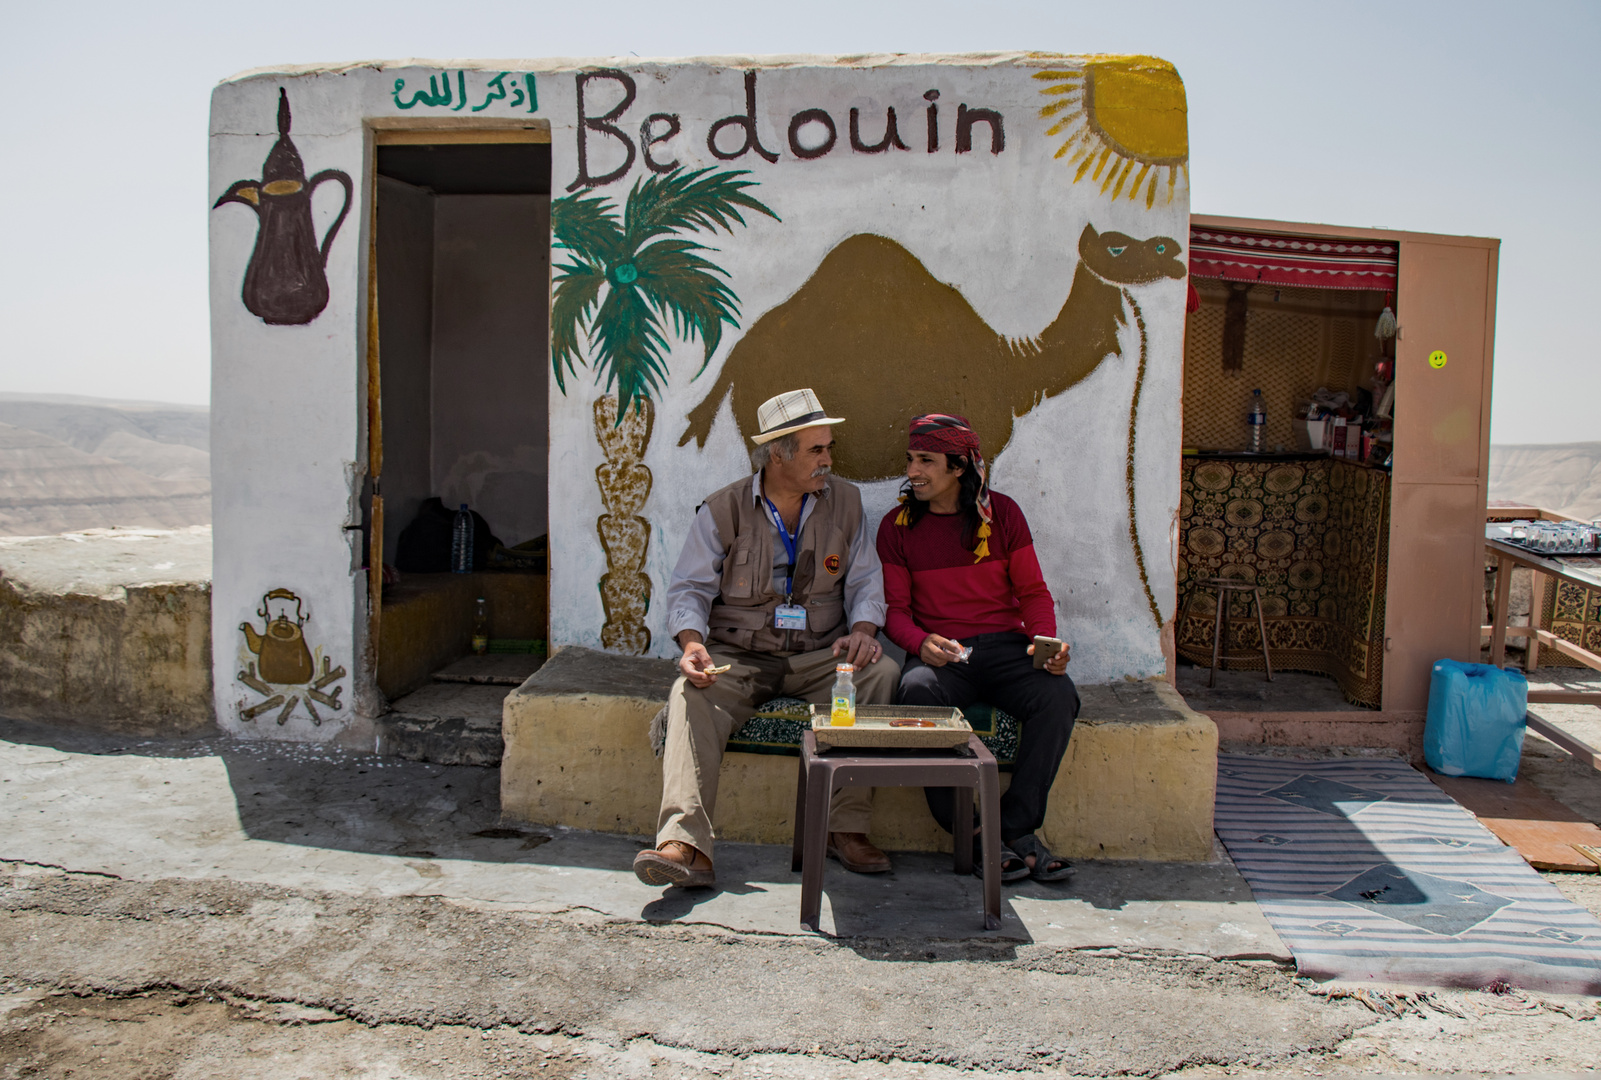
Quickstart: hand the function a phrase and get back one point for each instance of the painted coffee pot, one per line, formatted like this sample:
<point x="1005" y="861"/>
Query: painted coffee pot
<point x="281" y="653"/>
<point x="286" y="283"/>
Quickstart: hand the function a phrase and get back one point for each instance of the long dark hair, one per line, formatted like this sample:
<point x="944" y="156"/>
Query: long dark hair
<point x="966" y="499"/>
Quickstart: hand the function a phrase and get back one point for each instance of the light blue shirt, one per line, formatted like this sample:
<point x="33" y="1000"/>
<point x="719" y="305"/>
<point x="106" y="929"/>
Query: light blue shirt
<point x="697" y="579"/>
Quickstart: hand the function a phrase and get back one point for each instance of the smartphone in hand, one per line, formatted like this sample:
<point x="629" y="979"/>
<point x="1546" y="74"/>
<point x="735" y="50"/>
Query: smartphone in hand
<point x="1045" y="648"/>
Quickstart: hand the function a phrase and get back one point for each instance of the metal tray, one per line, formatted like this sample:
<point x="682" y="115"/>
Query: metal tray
<point x="872" y="727"/>
<point x="1532" y="550"/>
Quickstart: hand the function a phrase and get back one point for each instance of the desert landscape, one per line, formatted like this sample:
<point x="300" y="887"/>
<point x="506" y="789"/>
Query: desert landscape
<point x="69" y="463"/>
<point x="1564" y="477"/>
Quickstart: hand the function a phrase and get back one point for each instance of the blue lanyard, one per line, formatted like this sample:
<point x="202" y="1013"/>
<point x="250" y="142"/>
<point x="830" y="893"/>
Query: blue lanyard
<point x="791" y="543"/>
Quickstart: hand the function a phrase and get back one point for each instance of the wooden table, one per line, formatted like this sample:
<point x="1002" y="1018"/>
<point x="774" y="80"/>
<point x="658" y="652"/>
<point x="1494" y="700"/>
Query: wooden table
<point x="1581" y="571"/>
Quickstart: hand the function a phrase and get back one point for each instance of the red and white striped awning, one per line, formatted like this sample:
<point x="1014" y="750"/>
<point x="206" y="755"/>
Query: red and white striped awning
<point x="1305" y="261"/>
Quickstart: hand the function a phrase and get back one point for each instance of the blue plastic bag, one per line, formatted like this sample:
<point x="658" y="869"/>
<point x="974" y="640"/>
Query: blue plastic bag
<point x="1477" y="716"/>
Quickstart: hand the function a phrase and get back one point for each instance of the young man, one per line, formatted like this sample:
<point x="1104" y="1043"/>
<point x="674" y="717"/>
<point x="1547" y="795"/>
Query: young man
<point x="960" y="571"/>
<point x="779" y="578"/>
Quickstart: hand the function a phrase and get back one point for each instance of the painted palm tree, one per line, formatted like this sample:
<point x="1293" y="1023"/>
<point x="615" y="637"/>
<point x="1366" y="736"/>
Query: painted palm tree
<point x="630" y="281"/>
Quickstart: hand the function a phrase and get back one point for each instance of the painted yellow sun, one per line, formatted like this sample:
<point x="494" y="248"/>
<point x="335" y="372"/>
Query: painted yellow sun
<point x="1122" y="121"/>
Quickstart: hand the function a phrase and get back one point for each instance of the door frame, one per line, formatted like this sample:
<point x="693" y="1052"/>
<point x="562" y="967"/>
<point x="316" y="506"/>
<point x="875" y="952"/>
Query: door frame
<point x="406" y="131"/>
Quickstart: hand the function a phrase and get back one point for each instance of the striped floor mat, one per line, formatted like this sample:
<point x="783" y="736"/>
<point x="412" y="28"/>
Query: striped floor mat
<point x="1370" y="872"/>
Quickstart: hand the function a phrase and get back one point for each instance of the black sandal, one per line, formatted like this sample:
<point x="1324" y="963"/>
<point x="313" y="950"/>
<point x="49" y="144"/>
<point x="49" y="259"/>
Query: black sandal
<point x="1013" y="868"/>
<point x="1047" y="867"/>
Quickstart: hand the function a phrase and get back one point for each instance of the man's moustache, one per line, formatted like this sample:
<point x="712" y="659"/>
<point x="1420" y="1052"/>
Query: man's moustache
<point x="824" y="471"/>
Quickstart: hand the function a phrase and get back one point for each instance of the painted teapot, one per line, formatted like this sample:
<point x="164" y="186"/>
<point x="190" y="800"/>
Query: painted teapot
<point x="281" y="653"/>
<point x="286" y="283"/>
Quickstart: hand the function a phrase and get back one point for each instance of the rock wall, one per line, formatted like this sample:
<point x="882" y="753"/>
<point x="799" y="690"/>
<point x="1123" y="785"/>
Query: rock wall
<point x="76" y="646"/>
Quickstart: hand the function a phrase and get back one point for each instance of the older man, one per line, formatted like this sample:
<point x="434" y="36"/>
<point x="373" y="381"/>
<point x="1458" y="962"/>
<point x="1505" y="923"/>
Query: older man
<point x="779" y="581"/>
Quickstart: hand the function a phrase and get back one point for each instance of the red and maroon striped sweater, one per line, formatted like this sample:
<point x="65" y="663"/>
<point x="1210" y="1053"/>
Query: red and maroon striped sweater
<point x="933" y="586"/>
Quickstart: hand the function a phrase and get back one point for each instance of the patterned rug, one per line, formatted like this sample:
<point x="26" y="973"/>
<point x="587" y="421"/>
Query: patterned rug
<point x="1369" y="872"/>
<point x="778" y="725"/>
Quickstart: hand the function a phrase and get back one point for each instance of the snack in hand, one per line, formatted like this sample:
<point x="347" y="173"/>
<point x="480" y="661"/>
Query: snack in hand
<point x="716" y="670"/>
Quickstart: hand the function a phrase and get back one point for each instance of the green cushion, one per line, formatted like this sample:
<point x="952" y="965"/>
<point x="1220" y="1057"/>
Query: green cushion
<point x="778" y="725"/>
<point x="996" y="730"/>
<point x="776" y="728"/>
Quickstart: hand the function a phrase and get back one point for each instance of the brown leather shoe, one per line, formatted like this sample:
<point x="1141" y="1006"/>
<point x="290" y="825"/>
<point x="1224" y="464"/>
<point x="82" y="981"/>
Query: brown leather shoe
<point x="856" y="853"/>
<point x="675" y="863"/>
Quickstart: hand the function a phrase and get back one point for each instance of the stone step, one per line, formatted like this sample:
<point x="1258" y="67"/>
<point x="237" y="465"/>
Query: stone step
<point x="448" y="723"/>
<point x="496" y="669"/>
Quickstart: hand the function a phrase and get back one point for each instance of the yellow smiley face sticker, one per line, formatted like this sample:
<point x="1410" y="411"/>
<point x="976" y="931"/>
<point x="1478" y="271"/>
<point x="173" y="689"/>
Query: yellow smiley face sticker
<point x="1437" y="359"/>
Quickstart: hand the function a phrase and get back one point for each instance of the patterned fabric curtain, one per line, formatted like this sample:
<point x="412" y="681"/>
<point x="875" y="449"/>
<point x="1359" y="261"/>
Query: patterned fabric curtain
<point x="1313" y="536"/>
<point x="1293" y="260"/>
<point x="1572" y="613"/>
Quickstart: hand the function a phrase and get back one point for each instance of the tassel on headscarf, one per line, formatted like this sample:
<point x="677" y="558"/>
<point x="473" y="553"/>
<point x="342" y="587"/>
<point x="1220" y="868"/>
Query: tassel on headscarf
<point x="904" y="518"/>
<point x="941" y="433"/>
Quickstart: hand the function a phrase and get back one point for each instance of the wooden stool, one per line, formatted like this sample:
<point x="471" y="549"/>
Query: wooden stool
<point x="1224" y="586"/>
<point x="963" y="768"/>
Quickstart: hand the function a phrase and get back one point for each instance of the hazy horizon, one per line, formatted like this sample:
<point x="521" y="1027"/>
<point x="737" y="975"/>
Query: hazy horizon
<point x="73" y="461"/>
<point x="91" y="401"/>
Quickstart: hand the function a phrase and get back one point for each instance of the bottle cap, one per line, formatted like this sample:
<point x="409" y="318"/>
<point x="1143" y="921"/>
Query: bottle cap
<point x="846" y="668"/>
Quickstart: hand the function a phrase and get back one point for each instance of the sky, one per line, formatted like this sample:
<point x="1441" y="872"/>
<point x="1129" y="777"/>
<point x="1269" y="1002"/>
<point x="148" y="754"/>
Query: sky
<point x="1452" y="117"/>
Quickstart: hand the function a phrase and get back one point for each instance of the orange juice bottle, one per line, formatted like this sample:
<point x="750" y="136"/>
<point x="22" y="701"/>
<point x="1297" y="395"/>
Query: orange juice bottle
<point x="843" y="713"/>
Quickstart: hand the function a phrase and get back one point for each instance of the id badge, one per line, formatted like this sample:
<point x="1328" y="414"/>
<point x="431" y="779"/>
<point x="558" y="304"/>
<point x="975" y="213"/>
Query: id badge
<point x="789" y="617"/>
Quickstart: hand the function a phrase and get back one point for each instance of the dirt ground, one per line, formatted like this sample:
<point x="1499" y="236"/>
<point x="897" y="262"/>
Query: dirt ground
<point x="178" y="950"/>
<point x="170" y="1035"/>
<point x="107" y="979"/>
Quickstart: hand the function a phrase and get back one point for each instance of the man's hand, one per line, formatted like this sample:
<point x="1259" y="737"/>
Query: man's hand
<point x="695" y="660"/>
<point x="938" y="651"/>
<point x="1056" y="665"/>
<point x="860" y="646"/>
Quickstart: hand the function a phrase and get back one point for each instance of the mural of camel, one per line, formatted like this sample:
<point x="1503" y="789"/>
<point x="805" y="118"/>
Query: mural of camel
<point x="872" y="307"/>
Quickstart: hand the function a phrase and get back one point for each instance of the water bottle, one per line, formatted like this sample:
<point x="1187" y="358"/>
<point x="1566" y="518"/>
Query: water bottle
<point x="461" y="542"/>
<point x="1257" y="420"/>
<point x="481" y="627"/>
<point x="843" y="713"/>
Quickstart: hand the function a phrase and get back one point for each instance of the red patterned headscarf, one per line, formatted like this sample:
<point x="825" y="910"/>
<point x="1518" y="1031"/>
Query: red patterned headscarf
<point x="942" y="433"/>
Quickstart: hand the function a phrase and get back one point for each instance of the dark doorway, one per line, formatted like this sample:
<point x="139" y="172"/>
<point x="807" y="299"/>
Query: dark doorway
<point x="463" y="289"/>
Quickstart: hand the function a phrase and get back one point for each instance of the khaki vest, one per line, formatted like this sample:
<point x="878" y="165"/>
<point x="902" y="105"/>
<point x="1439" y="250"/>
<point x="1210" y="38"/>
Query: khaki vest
<point x="742" y="615"/>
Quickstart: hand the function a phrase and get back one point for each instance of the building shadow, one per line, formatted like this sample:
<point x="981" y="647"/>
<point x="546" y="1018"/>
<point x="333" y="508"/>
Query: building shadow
<point x="327" y="798"/>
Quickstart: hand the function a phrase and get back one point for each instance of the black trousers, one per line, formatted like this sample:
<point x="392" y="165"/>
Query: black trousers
<point x="1001" y="673"/>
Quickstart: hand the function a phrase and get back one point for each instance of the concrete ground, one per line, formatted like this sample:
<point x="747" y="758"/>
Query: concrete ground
<point x="216" y="908"/>
<point x="1249" y="691"/>
<point x="103" y="562"/>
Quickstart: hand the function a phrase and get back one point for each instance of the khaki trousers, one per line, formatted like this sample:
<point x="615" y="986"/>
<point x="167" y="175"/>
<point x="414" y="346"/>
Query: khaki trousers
<point x="699" y="723"/>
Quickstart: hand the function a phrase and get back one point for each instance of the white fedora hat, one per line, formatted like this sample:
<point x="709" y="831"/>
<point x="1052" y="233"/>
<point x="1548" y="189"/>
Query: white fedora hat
<point x="789" y="412"/>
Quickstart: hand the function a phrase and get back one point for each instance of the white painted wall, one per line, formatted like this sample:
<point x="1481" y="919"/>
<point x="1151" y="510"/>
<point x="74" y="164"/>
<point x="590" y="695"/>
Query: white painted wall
<point x="287" y="401"/>
<point x="286" y="404"/>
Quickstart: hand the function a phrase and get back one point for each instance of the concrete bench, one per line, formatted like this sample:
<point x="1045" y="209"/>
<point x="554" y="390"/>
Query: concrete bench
<point x="1137" y="782"/>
